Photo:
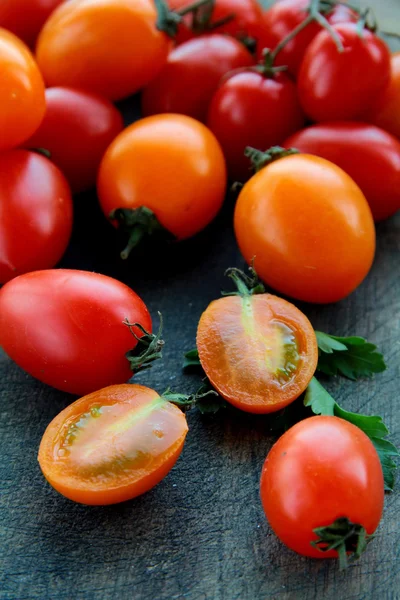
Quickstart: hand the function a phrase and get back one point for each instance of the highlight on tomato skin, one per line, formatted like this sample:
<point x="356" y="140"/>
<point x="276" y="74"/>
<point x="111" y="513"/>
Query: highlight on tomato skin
<point x="112" y="445"/>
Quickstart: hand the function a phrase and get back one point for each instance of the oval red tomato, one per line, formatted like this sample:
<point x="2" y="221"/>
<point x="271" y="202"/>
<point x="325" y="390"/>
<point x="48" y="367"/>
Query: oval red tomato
<point x="385" y="112"/>
<point x="35" y="213"/>
<point x="112" y="445"/>
<point x="193" y="71"/>
<point x="77" y="129"/>
<point x="368" y="154"/>
<point x="321" y="470"/>
<point x="25" y="18"/>
<point x="66" y="327"/>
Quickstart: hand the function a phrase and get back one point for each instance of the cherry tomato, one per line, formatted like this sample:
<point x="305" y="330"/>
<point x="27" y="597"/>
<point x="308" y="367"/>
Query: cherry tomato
<point x="282" y="18"/>
<point x="309" y="227"/>
<point x="112" y="445"/>
<point x="192" y="74"/>
<point x="99" y="45"/>
<point x="336" y="86"/>
<point x="246" y="22"/>
<point x="25" y="18"/>
<point x="368" y="154"/>
<point x="321" y="470"/>
<point x="250" y="109"/>
<point x="22" y="92"/>
<point x="35" y="213"/>
<point x="77" y="129"/>
<point x="385" y="113"/>
<point x="172" y="165"/>
<point x="66" y="327"/>
<point x="259" y="351"/>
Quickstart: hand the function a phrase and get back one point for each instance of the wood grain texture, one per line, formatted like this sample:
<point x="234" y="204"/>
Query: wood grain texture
<point x="200" y="534"/>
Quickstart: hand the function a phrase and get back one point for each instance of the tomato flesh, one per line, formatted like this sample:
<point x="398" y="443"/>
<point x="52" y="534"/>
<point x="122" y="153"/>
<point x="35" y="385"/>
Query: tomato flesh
<point x="112" y="445"/>
<point x="259" y="352"/>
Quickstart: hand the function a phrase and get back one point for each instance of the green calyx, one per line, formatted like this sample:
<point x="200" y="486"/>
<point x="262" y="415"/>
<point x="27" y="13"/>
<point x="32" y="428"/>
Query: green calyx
<point x="149" y="346"/>
<point x="348" y="539"/>
<point x="246" y="285"/>
<point x="260" y="159"/>
<point x="138" y="223"/>
<point x="168" y="20"/>
<point x="205" y="399"/>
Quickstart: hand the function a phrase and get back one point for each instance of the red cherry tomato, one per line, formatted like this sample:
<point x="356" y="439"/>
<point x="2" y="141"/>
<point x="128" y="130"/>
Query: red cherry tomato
<point x="192" y="74"/>
<point x="250" y="109"/>
<point x="112" y="445"/>
<point x="246" y="22"/>
<point x="336" y="86"/>
<point x="282" y="18"/>
<point x="25" y="18"/>
<point x="35" y="213"/>
<point x="385" y="113"/>
<point x="66" y="328"/>
<point x="22" y="92"/>
<point x="77" y="129"/>
<point x="321" y="470"/>
<point x="368" y="154"/>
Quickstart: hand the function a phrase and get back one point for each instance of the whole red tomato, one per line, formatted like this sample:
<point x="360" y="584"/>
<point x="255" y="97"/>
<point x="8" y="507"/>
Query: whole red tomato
<point x="250" y="109"/>
<point x="66" y="328"/>
<point x="25" y="18"/>
<point x="77" y="129"/>
<point x="35" y="213"/>
<point x="245" y="22"/>
<point x="282" y="18"/>
<point x="341" y="86"/>
<point x="385" y="113"/>
<point x="192" y="74"/>
<point x="368" y="154"/>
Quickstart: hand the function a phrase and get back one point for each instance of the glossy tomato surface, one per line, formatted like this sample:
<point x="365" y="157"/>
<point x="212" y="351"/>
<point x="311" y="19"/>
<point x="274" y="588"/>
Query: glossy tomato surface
<point x="77" y="129"/>
<point x="193" y="71"/>
<point x="342" y="86"/>
<point x="35" y="213"/>
<point x="259" y="351"/>
<point x="22" y="92"/>
<point x="100" y="45"/>
<point x="25" y="18"/>
<point x="171" y="164"/>
<point x="322" y="469"/>
<point x="112" y="445"/>
<point x="66" y="327"/>
<point x="368" y="154"/>
<point x="385" y="113"/>
<point x="308" y="227"/>
<point x="250" y="109"/>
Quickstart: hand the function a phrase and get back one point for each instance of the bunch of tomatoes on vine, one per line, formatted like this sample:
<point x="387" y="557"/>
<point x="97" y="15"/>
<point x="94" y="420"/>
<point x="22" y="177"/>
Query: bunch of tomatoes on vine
<point x="298" y="106"/>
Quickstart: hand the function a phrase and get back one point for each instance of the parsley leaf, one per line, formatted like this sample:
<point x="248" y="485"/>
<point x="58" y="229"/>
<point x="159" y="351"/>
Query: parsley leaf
<point x="352" y="357"/>
<point x="322" y="403"/>
<point x="192" y="360"/>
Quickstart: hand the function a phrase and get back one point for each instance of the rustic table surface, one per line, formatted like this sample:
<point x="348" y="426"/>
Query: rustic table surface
<point x="201" y="533"/>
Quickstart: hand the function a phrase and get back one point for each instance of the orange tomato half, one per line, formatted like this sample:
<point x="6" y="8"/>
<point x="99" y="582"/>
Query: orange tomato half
<point x="386" y="112"/>
<point x="112" y="445"/>
<point x="259" y="351"/>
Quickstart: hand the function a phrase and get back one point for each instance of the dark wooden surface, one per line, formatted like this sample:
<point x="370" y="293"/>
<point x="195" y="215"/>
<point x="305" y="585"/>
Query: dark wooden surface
<point x="201" y="533"/>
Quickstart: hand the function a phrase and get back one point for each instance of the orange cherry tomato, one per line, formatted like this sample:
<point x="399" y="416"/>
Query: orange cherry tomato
<point x="259" y="351"/>
<point x="112" y="445"/>
<point x="172" y="165"/>
<point x="386" y="113"/>
<point x="25" y="18"/>
<point x="308" y="227"/>
<point x="22" y="92"/>
<point x="112" y="47"/>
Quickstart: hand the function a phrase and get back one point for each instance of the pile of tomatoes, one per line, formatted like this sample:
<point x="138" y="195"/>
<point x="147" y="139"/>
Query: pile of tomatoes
<point x="299" y="105"/>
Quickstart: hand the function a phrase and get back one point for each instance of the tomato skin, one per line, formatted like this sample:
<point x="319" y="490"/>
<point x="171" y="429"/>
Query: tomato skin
<point x="368" y="154"/>
<point x="334" y="93"/>
<point x="35" y="213"/>
<point x="66" y="328"/>
<point x="190" y="185"/>
<point x="250" y="109"/>
<point x="98" y="45"/>
<point x="132" y="425"/>
<point x="385" y="113"/>
<point x="321" y="469"/>
<point x="309" y="227"/>
<point x="259" y="352"/>
<point x="77" y="129"/>
<point x="25" y="18"/>
<point x="192" y="74"/>
<point x="23" y="102"/>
